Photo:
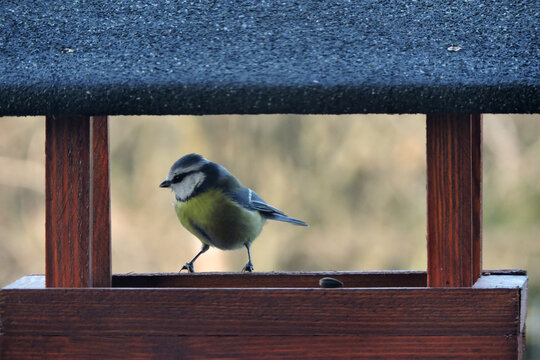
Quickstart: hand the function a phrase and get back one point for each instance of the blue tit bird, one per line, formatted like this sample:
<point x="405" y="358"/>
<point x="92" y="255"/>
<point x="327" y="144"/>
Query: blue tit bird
<point x="215" y="207"/>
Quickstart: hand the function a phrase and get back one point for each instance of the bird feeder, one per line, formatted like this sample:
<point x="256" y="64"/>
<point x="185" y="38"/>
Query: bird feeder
<point x="78" y="62"/>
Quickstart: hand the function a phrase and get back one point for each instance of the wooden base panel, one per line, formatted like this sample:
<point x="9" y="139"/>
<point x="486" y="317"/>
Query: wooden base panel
<point x="485" y="321"/>
<point x="260" y="347"/>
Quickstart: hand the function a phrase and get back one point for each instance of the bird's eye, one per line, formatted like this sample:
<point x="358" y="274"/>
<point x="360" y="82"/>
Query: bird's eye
<point x="178" y="178"/>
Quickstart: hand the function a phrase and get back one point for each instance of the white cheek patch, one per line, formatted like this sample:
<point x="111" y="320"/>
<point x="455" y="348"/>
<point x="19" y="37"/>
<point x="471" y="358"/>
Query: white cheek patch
<point x="187" y="186"/>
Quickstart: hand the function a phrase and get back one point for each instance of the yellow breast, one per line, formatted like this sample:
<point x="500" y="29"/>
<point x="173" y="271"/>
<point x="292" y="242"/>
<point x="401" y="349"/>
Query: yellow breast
<point x="218" y="221"/>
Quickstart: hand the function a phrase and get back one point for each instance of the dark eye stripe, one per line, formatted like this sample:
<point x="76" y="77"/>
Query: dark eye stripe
<point x="178" y="178"/>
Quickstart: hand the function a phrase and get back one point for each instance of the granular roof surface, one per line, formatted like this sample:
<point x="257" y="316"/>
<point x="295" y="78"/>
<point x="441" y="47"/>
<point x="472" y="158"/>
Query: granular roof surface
<point x="261" y="56"/>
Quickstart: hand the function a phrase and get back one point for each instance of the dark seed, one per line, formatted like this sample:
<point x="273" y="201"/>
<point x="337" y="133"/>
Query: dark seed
<point x="328" y="282"/>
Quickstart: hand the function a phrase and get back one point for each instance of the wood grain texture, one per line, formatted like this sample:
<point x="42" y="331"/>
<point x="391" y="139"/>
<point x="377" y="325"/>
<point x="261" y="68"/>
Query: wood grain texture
<point x="77" y="202"/>
<point x="265" y="312"/>
<point x="453" y="260"/>
<point x="275" y="323"/>
<point x="67" y="202"/>
<point x="101" y="213"/>
<point x="260" y="347"/>
<point x="477" y="150"/>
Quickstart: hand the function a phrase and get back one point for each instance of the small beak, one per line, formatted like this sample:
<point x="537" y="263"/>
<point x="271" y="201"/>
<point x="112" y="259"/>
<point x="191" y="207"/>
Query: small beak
<point x="165" y="184"/>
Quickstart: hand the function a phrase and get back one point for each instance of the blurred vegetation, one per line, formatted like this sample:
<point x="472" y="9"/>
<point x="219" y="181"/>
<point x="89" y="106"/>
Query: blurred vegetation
<point x="359" y="181"/>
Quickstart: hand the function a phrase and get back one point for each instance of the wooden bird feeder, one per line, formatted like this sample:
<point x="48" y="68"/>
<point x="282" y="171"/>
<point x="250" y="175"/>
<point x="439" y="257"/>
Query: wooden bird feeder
<point x="450" y="61"/>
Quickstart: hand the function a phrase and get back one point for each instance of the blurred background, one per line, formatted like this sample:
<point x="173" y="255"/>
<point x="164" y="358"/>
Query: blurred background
<point x="359" y="181"/>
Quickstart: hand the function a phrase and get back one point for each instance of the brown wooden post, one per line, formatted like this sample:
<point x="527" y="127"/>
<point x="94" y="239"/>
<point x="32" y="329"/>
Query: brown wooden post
<point x="77" y="216"/>
<point x="101" y="208"/>
<point x="454" y="181"/>
<point x="477" y="195"/>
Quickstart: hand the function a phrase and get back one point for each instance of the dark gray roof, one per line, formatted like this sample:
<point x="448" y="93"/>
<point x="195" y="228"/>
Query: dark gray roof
<point x="261" y="56"/>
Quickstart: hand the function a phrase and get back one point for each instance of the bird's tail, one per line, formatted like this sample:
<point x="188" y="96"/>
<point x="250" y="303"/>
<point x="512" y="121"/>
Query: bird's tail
<point x="285" y="218"/>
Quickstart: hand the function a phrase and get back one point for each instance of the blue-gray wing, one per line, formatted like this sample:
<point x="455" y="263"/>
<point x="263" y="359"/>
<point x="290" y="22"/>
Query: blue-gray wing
<point x="252" y="201"/>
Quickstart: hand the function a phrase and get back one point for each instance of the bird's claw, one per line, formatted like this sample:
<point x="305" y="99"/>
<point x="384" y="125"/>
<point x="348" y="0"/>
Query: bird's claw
<point x="248" y="268"/>
<point x="188" y="267"/>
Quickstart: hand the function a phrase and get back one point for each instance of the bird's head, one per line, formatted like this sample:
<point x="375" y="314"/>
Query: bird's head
<point x="190" y="176"/>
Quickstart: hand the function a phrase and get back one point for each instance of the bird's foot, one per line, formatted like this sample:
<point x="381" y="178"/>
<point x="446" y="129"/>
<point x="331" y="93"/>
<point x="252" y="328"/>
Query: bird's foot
<point x="248" y="267"/>
<point x="188" y="267"/>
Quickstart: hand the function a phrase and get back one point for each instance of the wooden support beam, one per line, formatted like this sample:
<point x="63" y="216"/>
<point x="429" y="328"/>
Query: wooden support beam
<point x="454" y="181"/>
<point x="477" y="195"/>
<point x="77" y="216"/>
<point x="101" y="200"/>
